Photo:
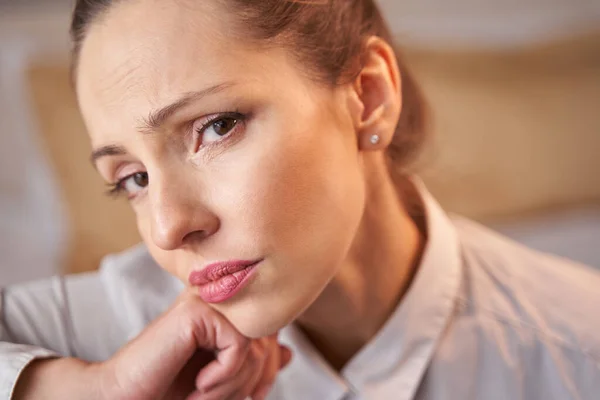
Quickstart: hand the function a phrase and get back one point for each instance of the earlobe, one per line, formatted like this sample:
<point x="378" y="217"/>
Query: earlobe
<point x="375" y="139"/>
<point x="377" y="88"/>
<point x="372" y="142"/>
<point x="369" y="138"/>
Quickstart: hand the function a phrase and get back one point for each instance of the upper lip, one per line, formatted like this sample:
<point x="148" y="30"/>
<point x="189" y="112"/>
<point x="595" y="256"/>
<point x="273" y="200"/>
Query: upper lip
<point x="218" y="270"/>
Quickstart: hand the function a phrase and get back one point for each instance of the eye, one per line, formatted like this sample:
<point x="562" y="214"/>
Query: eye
<point x="217" y="128"/>
<point x="136" y="182"/>
<point x="131" y="185"/>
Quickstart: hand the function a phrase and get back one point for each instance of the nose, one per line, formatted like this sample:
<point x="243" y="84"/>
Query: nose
<point x="179" y="217"/>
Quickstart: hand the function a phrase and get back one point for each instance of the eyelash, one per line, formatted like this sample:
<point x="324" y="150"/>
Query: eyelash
<point x="239" y="117"/>
<point x="117" y="189"/>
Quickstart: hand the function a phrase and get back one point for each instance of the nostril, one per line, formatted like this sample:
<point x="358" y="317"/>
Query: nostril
<point x="195" y="236"/>
<point x="209" y="228"/>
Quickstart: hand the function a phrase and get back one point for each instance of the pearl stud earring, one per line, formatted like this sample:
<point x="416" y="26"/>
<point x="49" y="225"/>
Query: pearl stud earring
<point x="375" y="139"/>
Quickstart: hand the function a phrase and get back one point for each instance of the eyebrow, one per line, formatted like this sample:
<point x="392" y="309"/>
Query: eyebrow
<point x="110" y="150"/>
<point x="157" y="118"/>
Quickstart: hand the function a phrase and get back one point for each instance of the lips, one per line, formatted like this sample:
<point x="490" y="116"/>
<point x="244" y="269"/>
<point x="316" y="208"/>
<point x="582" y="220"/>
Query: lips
<point x="221" y="281"/>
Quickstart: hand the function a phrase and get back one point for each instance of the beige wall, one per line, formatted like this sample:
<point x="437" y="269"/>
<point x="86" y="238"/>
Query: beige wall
<point x="514" y="133"/>
<point x="98" y="224"/>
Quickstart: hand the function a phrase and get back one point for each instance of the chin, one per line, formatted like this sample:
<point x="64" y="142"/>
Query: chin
<point x="266" y="306"/>
<point x="257" y="319"/>
<point x="255" y="326"/>
<point x="256" y="329"/>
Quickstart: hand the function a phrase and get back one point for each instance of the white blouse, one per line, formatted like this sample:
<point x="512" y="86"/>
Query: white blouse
<point x="484" y="318"/>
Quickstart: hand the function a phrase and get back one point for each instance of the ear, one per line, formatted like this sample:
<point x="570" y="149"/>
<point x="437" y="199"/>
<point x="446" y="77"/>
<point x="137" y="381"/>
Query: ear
<point x="376" y="93"/>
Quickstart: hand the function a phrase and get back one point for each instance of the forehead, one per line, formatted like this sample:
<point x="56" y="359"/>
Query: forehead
<point x="147" y="36"/>
<point x="144" y="53"/>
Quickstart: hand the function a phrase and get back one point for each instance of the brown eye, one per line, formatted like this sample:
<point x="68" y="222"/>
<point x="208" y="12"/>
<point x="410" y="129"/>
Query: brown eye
<point x="218" y="129"/>
<point x="223" y="126"/>
<point x="135" y="183"/>
<point x="141" y="179"/>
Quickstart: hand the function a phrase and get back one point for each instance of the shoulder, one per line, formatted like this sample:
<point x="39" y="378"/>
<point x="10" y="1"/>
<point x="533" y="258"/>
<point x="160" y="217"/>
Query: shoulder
<point x="553" y="301"/>
<point x="136" y="268"/>
<point x="65" y="314"/>
<point x="137" y="286"/>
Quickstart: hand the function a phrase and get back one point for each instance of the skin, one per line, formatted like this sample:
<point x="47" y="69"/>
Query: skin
<point x="171" y="359"/>
<point x="297" y="183"/>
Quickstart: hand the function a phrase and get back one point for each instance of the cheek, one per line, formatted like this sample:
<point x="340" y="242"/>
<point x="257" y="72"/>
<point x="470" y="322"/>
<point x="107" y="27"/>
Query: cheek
<point x="305" y="194"/>
<point x="303" y="203"/>
<point x="295" y="196"/>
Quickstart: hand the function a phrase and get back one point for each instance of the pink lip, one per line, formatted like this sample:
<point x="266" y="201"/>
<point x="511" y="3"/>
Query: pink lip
<point x="221" y="281"/>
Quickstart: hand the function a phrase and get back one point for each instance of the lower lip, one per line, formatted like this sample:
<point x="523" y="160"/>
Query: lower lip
<point x="226" y="287"/>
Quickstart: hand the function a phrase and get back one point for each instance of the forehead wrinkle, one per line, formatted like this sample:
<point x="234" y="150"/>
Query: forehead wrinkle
<point x="136" y="58"/>
<point x="119" y="78"/>
<point x="130" y="80"/>
<point x="182" y="27"/>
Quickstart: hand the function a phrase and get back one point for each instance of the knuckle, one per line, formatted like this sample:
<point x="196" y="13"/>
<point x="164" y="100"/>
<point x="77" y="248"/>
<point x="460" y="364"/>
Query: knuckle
<point x="187" y="305"/>
<point x="193" y="321"/>
<point x="243" y="343"/>
<point x="259" y="352"/>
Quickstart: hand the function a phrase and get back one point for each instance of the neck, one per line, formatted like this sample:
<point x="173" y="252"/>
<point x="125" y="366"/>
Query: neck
<point x="373" y="278"/>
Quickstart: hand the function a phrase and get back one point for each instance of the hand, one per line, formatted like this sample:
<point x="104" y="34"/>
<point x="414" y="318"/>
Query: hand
<point x="191" y="352"/>
<point x="174" y="358"/>
<point x="266" y="357"/>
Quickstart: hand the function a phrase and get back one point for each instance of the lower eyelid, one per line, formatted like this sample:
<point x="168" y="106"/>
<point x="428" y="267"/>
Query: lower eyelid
<point x="237" y="129"/>
<point x="206" y="152"/>
<point x="231" y="135"/>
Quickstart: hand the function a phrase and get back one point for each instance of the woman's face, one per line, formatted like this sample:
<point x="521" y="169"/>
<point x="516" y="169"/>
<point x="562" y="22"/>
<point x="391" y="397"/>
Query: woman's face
<point x="226" y="151"/>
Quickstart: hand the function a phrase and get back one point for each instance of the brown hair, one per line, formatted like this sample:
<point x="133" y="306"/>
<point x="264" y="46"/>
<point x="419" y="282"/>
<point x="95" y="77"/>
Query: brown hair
<point x="326" y="36"/>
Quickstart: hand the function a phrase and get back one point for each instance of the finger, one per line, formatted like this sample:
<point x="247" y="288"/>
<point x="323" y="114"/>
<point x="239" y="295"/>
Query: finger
<point x="230" y="346"/>
<point x="286" y="356"/>
<point x="262" y="370"/>
<point x="269" y="373"/>
<point x="196" y="395"/>
<point x="286" y="353"/>
<point x="262" y="393"/>
<point x="185" y="383"/>
<point x="247" y="378"/>
<point x="230" y="390"/>
<point x="152" y="361"/>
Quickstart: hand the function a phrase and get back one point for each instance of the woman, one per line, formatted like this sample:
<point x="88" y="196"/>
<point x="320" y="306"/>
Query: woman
<point x="263" y="146"/>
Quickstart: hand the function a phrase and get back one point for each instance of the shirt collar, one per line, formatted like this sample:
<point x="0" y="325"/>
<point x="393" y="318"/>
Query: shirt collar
<point x="396" y="359"/>
<point x="308" y="376"/>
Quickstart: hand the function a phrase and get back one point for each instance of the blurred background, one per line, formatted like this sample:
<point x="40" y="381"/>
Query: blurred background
<point x="514" y="88"/>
